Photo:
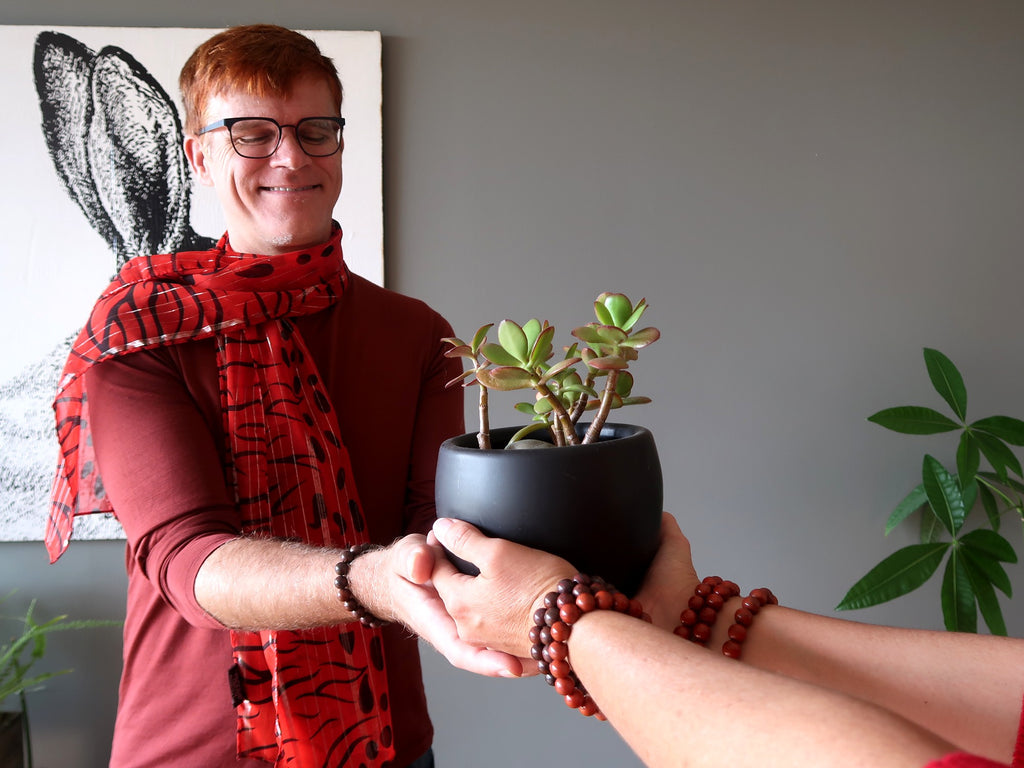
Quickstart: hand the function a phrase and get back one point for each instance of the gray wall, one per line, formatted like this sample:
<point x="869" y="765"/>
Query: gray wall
<point x="807" y="193"/>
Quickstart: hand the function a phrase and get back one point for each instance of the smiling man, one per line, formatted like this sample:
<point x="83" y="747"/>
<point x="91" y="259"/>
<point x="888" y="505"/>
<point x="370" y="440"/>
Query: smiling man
<point x="273" y="485"/>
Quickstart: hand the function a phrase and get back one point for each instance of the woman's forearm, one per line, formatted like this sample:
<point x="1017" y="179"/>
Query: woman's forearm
<point x="909" y="672"/>
<point x="680" y="705"/>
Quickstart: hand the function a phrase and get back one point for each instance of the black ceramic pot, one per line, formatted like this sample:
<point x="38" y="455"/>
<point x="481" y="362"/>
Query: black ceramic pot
<point x="598" y="505"/>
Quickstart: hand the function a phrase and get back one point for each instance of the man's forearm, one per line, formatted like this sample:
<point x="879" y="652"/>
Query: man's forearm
<point x="255" y="584"/>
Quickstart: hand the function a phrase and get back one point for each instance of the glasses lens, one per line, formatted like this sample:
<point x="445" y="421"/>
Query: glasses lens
<point x="256" y="137"/>
<point x="319" y="136"/>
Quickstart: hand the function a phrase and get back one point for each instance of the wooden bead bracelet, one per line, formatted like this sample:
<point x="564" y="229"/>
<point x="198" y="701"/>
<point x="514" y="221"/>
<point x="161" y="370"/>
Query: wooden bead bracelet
<point x="348" y="599"/>
<point x="709" y="597"/>
<point x="553" y="623"/>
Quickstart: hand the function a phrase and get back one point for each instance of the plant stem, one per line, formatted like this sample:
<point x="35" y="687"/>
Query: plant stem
<point x="594" y="432"/>
<point x="483" y="437"/>
<point x="561" y="415"/>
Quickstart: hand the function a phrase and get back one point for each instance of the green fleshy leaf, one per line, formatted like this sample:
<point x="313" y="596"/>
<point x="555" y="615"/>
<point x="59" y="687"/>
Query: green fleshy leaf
<point x="513" y="339"/>
<point x="968" y="458"/>
<point x="505" y="379"/>
<point x="541" y="348"/>
<point x="642" y="338"/>
<point x="992" y="569"/>
<point x="998" y="454"/>
<point x="618" y="306"/>
<point x="914" y="420"/>
<point x="990" y="543"/>
<point x="634" y="318"/>
<point x="1006" y="428"/>
<point x="988" y="603"/>
<point x="498" y="355"/>
<point x="947" y="381"/>
<point x="944" y="494"/>
<point x="901" y="572"/>
<point x="481" y="335"/>
<point x="912" y="502"/>
<point x="958" y="609"/>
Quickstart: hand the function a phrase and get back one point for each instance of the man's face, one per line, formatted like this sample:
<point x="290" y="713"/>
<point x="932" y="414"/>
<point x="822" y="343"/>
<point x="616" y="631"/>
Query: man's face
<point x="279" y="203"/>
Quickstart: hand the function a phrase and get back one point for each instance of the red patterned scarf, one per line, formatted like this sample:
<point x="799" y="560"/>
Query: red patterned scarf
<point x="313" y="697"/>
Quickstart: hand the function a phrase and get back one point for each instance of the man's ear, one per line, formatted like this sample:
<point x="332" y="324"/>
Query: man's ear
<point x="196" y="154"/>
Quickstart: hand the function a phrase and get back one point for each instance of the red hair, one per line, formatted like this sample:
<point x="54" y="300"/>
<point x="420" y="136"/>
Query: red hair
<point x="257" y="59"/>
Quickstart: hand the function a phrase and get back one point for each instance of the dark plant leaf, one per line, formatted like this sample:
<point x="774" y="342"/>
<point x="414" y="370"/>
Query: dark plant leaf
<point x="914" y="420"/>
<point x="968" y="458"/>
<point x="988" y="503"/>
<point x="901" y="572"/>
<point x="958" y="608"/>
<point x="991" y="543"/>
<point x="944" y="494"/>
<point x="912" y="502"/>
<point x="947" y="381"/>
<point x="992" y="569"/>
<point x="1005" y="428"/>
<point x="999" y="455"/>
<point x="988" y="603"/>
<point x="930" y="529"/>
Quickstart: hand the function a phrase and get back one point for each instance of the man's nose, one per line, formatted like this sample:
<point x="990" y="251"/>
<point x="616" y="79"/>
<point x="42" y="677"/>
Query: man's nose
<point x="289" y="151"/>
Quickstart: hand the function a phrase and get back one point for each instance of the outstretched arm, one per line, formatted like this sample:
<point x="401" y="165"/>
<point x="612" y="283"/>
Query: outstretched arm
<point x="964" y="687"/>
<point x="251" y="583"/>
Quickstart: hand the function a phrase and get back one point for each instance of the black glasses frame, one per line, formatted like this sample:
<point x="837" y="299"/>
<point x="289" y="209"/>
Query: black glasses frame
<point x="230" y="122"/>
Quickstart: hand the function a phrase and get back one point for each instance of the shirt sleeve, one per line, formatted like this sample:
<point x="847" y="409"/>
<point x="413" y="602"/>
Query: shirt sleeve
<point x="161" y="469"/>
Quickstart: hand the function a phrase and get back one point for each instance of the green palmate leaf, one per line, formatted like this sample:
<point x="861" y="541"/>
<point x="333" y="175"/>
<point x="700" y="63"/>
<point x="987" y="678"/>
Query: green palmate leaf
<point x="988" y="503"/>
<point x="988" y="603"/>
<point x="958" y="610"/>
<point x="901" y="572"/>
<point x="998" y="455"/>
<point x="914" y="420"/>
<point x="991" y="544"/>
<point x="912" y="502"/>
<point x="993" y="569"/>
<point x="944" y="494"/>
<point x="947" y="381"/>
<point x="1008" y="429"/>
<point x="513" y="339"/>
<point x="968" y="458"/>
<point x="930" y="529"/>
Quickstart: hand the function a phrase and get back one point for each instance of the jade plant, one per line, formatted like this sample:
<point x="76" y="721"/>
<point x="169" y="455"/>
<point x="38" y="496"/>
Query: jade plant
<point x="947" y="500"/>
<point x="592" y="376"/>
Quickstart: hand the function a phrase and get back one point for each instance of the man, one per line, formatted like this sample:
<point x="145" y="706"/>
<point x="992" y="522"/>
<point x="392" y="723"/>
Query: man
<point x="260" y="416"/>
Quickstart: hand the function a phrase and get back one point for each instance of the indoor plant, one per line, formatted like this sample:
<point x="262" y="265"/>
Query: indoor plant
<point x="597" y="499"/>
<point x="946" y="500"/>
<point x="17" y="659"/>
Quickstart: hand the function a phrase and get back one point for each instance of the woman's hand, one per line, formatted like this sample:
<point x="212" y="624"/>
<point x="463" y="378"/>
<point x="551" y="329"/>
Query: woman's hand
<point x="495" y="609"/>
<point x="671" y="578"/>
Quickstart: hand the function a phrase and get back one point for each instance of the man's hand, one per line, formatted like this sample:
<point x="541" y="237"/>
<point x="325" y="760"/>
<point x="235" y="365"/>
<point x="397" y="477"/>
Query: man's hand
<point x="395" y="584"/>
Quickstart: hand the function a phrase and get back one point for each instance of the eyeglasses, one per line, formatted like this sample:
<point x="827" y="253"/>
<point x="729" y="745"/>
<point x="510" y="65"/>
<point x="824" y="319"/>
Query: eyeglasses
<point x="259" y="137"/>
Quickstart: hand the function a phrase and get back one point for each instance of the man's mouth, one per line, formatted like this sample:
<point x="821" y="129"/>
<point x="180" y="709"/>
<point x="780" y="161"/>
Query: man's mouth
<point x="291" y="189"/>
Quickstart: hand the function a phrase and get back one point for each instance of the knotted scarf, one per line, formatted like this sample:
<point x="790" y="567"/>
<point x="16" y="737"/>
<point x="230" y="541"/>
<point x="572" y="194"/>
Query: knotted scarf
<point x="313" y="697"/>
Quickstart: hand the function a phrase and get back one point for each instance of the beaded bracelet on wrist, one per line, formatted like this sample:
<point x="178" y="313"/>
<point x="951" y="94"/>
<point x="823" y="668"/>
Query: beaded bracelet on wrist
<point x="709" y="597"/>
<point x="744" y="617"/>
<point x="553" y="626"/>
<point x="348" y="599"/>
<point x="699" y="616"/>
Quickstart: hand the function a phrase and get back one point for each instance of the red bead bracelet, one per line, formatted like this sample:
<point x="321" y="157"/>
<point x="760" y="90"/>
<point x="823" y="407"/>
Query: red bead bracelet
<point x="553" y="626"/>
<point x="348" y="599"/>
<point x="709" y="597"/>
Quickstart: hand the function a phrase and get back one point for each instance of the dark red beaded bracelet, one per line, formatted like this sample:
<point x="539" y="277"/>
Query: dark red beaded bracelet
<point x="699" y="616"/>
<point x="553" y="626"/>
<point x="348" y="600"/>
<point x="744" y="617"/>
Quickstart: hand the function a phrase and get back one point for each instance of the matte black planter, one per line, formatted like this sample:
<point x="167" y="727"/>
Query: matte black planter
<point x="598" y="505"/>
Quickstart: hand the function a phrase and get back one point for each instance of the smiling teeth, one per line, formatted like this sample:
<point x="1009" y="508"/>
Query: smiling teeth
<point x="288" y="189"/>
